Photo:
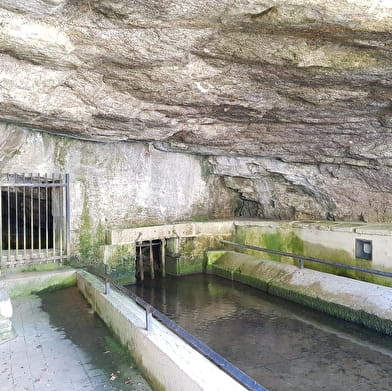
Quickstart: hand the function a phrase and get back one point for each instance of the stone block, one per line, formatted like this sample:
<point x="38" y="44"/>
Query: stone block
<point x="6" y="330"/>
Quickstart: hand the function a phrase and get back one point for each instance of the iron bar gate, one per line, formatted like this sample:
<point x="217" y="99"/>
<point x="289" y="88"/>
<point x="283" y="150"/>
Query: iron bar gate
<point x="35" y="219"/>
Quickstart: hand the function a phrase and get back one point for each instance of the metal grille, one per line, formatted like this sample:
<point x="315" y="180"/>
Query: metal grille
<point x="35" y="219"/>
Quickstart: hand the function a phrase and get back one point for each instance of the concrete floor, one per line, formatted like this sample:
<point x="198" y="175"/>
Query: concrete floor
<point x="62" y="346"/>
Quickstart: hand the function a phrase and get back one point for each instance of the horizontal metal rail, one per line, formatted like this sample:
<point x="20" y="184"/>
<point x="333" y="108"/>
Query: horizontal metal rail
<point x="302" y="258"/>
<point x="234" y="372"/>
<point x="34" y="184"/>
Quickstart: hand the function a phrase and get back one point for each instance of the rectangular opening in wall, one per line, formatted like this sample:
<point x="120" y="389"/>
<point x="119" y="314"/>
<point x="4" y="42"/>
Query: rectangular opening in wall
<point x="363" y="249"/>
<point x="35" y="218"/>
<point x="27" y="218"/>
<point x="148" y="259"/>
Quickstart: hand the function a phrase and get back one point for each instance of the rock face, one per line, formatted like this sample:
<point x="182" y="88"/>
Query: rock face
<point x="290" y="100"/>
<point x="117" y="185"/>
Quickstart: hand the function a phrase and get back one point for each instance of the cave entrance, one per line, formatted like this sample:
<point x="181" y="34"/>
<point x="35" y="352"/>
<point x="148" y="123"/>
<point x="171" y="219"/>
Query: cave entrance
<point x="34" y="222"/>
<point x="150" y="259"/>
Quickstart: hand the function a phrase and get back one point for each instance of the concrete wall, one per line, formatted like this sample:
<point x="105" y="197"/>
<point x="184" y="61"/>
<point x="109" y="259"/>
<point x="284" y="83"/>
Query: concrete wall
<point x="24" y="284"/>
<point x="186" y="243"/>
<point x="168" y="362"/>
<point x="356" y="301"/>
<point x="117" y="185"/>
<point x="326" y="240"/>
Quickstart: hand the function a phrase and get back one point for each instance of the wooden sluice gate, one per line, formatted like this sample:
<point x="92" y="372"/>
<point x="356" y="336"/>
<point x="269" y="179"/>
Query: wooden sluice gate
<point x="150" y="258"/>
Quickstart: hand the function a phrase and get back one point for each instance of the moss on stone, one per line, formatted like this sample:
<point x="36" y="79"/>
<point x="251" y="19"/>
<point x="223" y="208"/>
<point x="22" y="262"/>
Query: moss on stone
<point x="40" y="267"/>
<point x="191" y="256"/>
<point x="276" y="280"/>
<point x="285" y="239"/>
<point x="338" y="311"/>
<point x="39" y="284"/>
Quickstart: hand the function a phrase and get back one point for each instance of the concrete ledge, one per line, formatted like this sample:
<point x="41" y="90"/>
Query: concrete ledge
<point x="184" y="230"/>
<point x="26" y="283"/>
<point x="167" y="361"/>
<point x="357" y="301"/>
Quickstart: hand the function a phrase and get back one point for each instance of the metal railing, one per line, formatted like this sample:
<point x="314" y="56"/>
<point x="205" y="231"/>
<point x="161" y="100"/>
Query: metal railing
<point x="151" y="312"/>
<point x="34" y="219"/>
<point x="303" y="258"/>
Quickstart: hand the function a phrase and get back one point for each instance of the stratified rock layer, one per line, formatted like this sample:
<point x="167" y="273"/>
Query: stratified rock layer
<point x="291" y="99"/>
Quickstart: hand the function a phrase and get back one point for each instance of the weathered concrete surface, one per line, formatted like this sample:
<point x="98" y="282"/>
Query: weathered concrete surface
<point x="357" y="301"/>
<point x="117" y="185"/>
<point x="62" y="346"/>
<point x="24" y="284"/>
<point x="329" y="240"/>
<point x="167" y="361"/>
<point x="293" y="97"/>
<point x="177" y="230"/>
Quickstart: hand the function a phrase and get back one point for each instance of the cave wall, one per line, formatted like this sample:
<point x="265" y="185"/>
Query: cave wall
<point x="117" y="185"/>
<point x="274" y="189"/>
<point x="286" y="105"/>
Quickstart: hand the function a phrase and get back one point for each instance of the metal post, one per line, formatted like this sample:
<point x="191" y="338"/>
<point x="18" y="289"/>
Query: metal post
<point x="107" y="286"/>
<point x="16" y="219"/>
<point x="141" y="267"/>
<point x="61" y="222"/>
<point x="32" y="217"/>
<point x="301" y="263"/>
<point x="67" y="215"/>
<point x="24" y="216"/>
<point x="163" y="257"/>
<point x="46" y="217"/>
<point x="1" y="228"/>
<point x="9" y="222"/>
<point x="39" y="216"/>
<point x="152" y="272"/>
<point x="148" y="318"/>
<point x="53" y="219"/>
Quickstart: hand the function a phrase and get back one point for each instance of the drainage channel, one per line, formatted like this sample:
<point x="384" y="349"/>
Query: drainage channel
<point x="281" y="345"/>
<point x="237" y="374"/>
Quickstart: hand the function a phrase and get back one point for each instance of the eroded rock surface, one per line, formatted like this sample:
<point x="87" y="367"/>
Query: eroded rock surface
<point x="291" y="99"/>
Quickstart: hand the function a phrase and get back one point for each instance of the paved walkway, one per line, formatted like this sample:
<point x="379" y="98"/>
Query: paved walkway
<point x="62" y="346"/>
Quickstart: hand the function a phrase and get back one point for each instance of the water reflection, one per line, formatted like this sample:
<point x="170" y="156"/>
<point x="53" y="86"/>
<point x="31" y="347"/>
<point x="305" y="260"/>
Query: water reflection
<point x="282" y="345"/>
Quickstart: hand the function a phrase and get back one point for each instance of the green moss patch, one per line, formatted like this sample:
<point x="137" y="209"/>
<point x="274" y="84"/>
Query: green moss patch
<point x="39" y="283"/>
<point x="285" y="239"/>
<point x="276" y="278"/>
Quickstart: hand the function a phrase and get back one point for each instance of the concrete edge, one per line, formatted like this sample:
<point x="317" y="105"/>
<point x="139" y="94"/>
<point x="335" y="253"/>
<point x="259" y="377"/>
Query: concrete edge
<point x="165" y="359"/>
<point x="353" y="300"/>
<point x="27" y="283"/>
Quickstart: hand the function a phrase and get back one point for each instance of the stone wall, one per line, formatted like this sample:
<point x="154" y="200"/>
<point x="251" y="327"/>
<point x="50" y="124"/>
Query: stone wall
<point x="117" y="185"/>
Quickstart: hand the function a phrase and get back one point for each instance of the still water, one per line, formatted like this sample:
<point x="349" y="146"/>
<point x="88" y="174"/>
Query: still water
<point x="282" y="345"/>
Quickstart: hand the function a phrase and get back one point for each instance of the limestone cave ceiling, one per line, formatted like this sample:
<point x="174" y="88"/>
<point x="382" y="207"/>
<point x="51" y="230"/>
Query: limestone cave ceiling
<point x="301" y="80"/>
<point x="303" y="84"/>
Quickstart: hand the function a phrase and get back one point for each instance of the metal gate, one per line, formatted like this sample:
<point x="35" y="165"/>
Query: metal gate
<point x="35" y="219"/>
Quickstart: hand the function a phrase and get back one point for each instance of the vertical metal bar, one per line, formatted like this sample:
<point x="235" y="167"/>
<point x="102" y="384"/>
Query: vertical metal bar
<point x="24" y="215"/>
<point x="1" y="227"/>
<point x="39" y="215"/>
<point x="301" y="263"/>
<point x="53" y="219"/>
<point x="107" y="286"/>
<point x="152" y="272"/>
<point x="9" y="222"/>
<point x="68" y="215"/>
<point x="32" y="217"/>
<point x="141" y="266"/>
<point x="61" y="222"/>
<point x="46" y="217"/>
<point x="16" y="219"/>
<point x="163" y="257"/>
<point x="148" y="318"/>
